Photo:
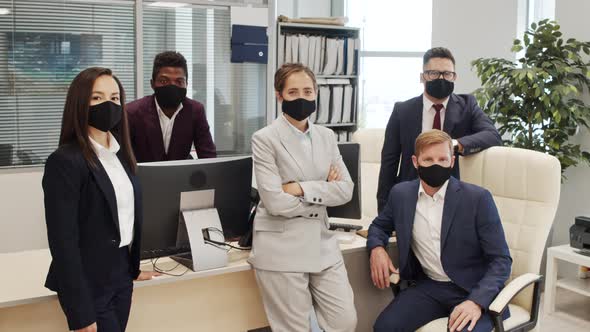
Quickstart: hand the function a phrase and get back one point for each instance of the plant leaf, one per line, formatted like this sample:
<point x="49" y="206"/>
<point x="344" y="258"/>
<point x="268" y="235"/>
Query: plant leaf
<point x="536" y="100"/>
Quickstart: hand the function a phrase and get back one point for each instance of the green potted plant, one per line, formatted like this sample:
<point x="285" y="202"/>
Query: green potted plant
<point x="537" y="100"/>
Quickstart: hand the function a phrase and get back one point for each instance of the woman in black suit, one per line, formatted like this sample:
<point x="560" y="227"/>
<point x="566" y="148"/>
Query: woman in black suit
<point x="93" y="207"/>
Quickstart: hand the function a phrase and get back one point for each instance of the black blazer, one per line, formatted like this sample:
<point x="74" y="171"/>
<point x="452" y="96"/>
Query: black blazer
<point x="83" y="231"/>
<point x="464" y="121"/>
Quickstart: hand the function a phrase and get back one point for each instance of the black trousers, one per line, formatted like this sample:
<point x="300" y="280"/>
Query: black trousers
<point x="112" y="306"/>
<point x="112" y="297"/>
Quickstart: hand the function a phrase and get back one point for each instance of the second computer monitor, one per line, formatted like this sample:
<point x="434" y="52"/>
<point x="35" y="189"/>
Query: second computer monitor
<point x="351" y="156"/>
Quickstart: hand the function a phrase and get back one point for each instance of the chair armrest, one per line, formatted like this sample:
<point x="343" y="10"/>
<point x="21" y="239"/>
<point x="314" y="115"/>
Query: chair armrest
<point x="511" y="290"/>
<point x="396" y="284"/>
<point x="394" y="278"/>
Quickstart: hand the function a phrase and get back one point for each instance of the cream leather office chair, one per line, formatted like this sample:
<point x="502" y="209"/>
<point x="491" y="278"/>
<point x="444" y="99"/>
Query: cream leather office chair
<point x="371" y="142"/>
<point x="525" y="185"/>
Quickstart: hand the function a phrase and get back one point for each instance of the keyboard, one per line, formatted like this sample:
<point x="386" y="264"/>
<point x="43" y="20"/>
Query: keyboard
<point x="345" y="227"/>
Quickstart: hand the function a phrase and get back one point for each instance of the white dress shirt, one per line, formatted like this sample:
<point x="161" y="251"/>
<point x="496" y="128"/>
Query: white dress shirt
<point x="166" y="124"/>
<point x="304" y="138"/>
<point x="426" y="233"/>
<point x="122" y="186"/>
<point x="428" y="113"/>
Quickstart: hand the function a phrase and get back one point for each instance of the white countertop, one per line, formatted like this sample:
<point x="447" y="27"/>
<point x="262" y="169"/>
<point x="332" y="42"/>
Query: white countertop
<point x="23" y="273"/>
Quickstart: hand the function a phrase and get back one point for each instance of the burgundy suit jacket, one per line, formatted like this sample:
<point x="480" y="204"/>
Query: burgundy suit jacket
<point x="190" y="126"/>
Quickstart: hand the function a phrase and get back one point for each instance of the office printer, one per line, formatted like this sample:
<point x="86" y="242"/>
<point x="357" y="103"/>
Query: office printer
<point x="580" y="235"/>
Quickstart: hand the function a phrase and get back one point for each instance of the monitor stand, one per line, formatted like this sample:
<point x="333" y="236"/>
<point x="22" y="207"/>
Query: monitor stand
<point x="184" y="259"/>
<point x="196" y="225"/>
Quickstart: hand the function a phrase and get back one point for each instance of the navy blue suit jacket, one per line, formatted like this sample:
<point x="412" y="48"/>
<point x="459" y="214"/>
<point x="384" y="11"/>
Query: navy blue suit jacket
<point x="464" y="121"/>
<point x="474" y="252"/>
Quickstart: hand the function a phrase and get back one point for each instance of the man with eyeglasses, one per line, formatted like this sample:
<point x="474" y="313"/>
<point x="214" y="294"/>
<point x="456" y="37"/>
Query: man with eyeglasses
<point x="437" y="108"/>
<point x="165" y="125"/>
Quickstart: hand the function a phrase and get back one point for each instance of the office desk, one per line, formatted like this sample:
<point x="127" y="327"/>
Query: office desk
<point x="224" y="299"/>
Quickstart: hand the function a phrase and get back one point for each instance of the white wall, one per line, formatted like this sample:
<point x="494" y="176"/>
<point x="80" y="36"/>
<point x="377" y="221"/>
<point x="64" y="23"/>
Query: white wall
<point x="304" y="8"/>
<point x="286" y="7"/>
<point x="314" y="8"/>
<point x="473" y="29"/>
<point x="22" y="219"/>
<point x="575" y="195"/>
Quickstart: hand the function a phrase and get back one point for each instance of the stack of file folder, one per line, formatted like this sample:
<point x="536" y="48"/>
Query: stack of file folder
<point x="323" y="55"/>
<point x="343" y="135"/>
<point x="335" y="101"/>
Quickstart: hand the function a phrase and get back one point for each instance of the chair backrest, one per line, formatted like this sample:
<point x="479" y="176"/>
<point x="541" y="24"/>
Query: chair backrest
<point x="371" y="142"/>
<point x="525" y="185"/>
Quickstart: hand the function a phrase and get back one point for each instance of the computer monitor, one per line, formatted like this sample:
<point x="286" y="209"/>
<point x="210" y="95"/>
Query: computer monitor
<point x="162" y="184"/>
<point x="351" y="156"/>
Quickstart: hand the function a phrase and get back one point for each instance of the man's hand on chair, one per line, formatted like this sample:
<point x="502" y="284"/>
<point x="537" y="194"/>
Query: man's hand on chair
<point x="464" y="313"/>
<point x="381" y="267"/>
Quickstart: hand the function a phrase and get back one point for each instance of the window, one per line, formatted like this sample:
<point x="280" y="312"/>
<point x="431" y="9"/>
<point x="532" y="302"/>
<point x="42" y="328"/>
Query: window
<point x="43" y="46"/>
<point x="234" y="94"/>
<point x="395" y="34"/>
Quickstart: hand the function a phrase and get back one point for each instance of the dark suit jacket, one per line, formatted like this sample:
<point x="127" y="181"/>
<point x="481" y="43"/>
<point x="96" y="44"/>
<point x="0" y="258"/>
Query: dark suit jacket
<point x="474" y="251"/>
<point x="190" y="126"/>
<point x="464" y="121"/>
<point x="83" y="232"/>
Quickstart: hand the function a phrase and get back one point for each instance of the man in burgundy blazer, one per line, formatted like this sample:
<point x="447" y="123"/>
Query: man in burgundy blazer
<point x="165" y="125"/>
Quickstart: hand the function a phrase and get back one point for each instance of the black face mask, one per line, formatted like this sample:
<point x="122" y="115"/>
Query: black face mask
<point x="298" y="109"/>
<point x="435" y="175"/>
<point x="440" y="88"/>
<point x="104" y="116"/>
<point x="170" y="96"/>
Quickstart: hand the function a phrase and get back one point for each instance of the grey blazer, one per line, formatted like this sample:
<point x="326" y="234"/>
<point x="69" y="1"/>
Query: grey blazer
<point x="290" y="232"/>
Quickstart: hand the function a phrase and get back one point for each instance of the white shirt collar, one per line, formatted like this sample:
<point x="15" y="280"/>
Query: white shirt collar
<point x="161" y="113"/>
<point x="428" y="104"/>
<point x="309" y="125"/>
<point x="100" y="150"/>
<point x="439" y="195"/>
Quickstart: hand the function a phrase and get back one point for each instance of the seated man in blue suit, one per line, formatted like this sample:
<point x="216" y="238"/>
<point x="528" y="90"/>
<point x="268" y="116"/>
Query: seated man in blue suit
<point x="450" y="242"/>
<point x="437" y="108"/>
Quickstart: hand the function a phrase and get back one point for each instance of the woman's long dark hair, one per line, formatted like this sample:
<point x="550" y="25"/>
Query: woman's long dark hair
<point x="74" y="127"/>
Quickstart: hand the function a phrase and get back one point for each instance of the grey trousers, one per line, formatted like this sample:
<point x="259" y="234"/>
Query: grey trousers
<point x="289" y="298"/>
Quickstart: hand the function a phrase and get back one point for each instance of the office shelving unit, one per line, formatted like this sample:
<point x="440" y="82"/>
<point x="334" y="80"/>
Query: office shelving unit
<point x="346" y="127"/>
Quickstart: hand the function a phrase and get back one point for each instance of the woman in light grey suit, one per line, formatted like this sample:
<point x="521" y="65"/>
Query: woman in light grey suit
<point x="299" y="172"/>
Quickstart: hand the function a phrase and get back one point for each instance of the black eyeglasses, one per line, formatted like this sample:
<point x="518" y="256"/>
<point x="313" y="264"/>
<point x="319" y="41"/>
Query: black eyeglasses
<point x="436" y="74"/>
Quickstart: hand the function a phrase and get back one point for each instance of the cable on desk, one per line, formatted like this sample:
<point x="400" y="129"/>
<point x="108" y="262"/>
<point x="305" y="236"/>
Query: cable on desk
<point x="167" y="272"/>
<point x="213" y="242"/>
<point x="219" y="243"/>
